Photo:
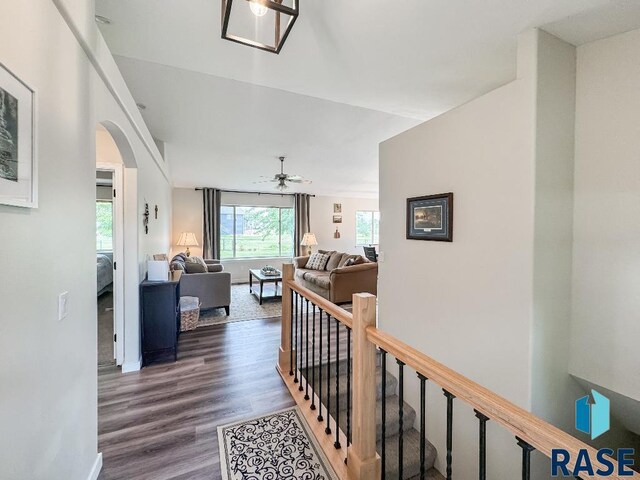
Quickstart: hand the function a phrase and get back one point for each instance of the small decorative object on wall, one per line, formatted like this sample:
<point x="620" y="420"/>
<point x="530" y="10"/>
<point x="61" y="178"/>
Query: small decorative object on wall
<point x="337" y="219"/>
<point x="18" y="166"/>
<point x="145" y="218"/>
<point x="430" y="217"/>
<point x="337" y="233"/>
<point x="337" y="208"/>
<point x="156" y="212"/>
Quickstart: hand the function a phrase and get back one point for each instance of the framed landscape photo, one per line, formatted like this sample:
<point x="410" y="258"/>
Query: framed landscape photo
<point x="18" y="169"/>
<point x="430" y="218"/>
<point x="337" y="219"/>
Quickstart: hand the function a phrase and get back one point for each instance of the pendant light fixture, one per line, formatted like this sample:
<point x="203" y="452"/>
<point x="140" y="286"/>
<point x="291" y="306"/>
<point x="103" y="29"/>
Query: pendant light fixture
<point x="263" y="24"/>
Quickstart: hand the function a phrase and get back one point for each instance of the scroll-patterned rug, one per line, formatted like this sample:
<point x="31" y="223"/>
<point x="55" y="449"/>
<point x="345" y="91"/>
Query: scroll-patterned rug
<point x="275" y="446"/>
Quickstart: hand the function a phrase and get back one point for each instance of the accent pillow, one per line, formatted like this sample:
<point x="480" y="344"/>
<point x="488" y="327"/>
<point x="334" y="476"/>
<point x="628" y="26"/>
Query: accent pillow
<point x="317" y="261"/>
<point x="346" y="257"/>
<point x="194" y="267"/>
<point x="215" y="267"/>
<point x="197" y="260"/>
<point x="349" y="262"/>
<point x="334" y="260"/>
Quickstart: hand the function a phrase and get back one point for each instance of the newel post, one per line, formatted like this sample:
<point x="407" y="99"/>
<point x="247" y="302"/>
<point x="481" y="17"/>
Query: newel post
<point x="285" y="355"/>
<point x="363" y="462"/>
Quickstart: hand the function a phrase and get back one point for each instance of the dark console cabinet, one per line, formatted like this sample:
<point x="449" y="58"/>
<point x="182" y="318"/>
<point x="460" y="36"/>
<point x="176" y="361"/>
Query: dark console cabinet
<point x="160" y="319"/>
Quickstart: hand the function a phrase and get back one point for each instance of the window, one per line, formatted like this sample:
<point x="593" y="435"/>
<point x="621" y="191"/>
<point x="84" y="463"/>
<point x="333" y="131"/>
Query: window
<point x="253" y="232"/>
<point x="367" y="228"/>
<point x="104" y="226"/>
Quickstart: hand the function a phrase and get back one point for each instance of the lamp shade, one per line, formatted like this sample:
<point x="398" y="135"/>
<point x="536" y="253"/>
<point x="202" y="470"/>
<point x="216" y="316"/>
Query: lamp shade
<point x="308" y="240"/>
<point x="187" y="239"/>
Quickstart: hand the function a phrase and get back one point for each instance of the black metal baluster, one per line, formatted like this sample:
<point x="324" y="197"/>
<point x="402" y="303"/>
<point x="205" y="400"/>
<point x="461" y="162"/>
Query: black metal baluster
<point x="337" y="442"/>
<point x="306" y="371"/>
<point x="400" y="417"/>
<point x="423" y="423"/>
<point x="383" y="455"/>
<point x="295" y="326"/>
<point x="291" y="339"/>
<point x="526" y="458"/>
<point x="482" y="445"/>
<point x="348" y="386"/>
<point x="313" y="359"/>
<point x="450" y="398"/>
<point x="328" y="429"/>
<point x="299" y="353"/>
<point x="320" y="419"/>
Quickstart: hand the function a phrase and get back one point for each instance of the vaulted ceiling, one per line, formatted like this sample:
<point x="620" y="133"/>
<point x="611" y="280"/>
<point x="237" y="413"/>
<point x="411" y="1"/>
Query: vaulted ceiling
<point x="351" y="74"/>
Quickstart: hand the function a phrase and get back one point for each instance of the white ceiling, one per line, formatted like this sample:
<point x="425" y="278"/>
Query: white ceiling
<point x="412" y="59"/>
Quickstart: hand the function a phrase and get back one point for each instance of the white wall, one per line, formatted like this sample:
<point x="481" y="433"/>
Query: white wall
<point x="49" y="409"/>
<point x="606" y="273"/>
<point x="553" y="390"/>
<point x="459" y="301"/>
<point x="495" y="304"/>
<point x="324" y="228"/>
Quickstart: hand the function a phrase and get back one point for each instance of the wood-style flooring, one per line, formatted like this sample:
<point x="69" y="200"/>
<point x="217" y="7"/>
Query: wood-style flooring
<point x="160" y="423"/>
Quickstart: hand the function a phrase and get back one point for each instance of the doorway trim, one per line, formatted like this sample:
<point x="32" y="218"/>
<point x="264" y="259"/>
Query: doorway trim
<point x="118" y="256"/>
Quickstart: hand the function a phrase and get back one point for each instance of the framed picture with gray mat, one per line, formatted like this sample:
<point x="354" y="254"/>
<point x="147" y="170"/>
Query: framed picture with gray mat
<point x="18" y="169"/>
<point x="430" y="217"/>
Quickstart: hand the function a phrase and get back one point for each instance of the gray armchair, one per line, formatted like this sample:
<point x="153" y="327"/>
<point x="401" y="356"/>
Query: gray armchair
<point x="213" y="288"/>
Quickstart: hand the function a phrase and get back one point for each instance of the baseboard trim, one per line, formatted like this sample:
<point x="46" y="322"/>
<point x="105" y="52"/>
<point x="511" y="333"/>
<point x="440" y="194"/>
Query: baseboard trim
<point x="97" y="466"/>
<point x="131" y="366"/>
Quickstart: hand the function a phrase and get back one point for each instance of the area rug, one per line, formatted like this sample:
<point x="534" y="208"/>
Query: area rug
<point x="244" y="306"/>
<point x="273" y="446"/>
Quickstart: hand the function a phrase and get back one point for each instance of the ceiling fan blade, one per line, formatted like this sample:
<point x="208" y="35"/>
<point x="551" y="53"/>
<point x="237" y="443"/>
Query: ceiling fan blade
<point x="299" y="180"/>
<point x="267" y="181"/>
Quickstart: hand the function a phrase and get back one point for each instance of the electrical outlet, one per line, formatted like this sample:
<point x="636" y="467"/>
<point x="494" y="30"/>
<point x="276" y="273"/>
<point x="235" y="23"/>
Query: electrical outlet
<point x="63" y="305"/>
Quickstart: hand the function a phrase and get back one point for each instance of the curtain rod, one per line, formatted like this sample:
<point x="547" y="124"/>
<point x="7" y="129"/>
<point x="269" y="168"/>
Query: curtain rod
<point x="255" y="193"/>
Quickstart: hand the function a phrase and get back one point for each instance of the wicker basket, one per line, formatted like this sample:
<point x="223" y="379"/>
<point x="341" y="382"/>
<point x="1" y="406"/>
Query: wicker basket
<point x="189" y="313"/>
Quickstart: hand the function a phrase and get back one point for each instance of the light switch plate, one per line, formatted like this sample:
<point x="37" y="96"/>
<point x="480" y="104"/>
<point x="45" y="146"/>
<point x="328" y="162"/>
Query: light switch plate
<point x="381" y="257"/>
<point x="63" y="305"/>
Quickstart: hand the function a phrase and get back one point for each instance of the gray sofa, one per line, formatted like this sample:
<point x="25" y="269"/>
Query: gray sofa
<point x="212" y="287"/>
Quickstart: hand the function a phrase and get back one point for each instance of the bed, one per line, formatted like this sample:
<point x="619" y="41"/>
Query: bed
<point x="105" y="273"/>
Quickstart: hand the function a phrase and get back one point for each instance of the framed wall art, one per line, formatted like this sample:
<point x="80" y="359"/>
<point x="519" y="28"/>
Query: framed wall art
<point x="18" y="165"/>
<point x="430" y="218"/>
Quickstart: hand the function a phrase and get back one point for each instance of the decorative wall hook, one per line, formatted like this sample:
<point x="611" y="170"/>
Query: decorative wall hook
<point x="145" y="218"/>
<point x="156" y="212"/>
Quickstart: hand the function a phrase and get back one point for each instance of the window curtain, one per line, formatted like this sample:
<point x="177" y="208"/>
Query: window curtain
<point x="302" y="226"/>
<point x="211" y="198"/>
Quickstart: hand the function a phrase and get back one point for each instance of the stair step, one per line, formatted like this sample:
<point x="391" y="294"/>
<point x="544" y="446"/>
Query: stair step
<point x="393" y="423"/>
<point x="411" y="462"/>
<point x="390" y="389"/>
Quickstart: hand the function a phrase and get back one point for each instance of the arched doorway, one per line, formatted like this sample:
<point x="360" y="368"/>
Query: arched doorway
<point x="118" y="302"/>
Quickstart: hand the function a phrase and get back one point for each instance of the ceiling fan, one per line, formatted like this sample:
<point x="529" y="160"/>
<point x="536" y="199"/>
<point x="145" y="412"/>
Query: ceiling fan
<point x="282" y="179"/>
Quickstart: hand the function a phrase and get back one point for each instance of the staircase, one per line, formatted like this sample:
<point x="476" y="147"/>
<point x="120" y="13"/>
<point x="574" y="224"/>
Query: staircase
<point x="411" y="436"/>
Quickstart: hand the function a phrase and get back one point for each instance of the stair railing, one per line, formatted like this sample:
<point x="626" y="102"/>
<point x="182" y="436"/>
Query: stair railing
<point x="364" y="341"/>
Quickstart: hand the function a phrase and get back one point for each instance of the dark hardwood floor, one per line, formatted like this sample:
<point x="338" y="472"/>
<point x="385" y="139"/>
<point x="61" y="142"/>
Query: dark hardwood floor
<point x="160" y="423"/>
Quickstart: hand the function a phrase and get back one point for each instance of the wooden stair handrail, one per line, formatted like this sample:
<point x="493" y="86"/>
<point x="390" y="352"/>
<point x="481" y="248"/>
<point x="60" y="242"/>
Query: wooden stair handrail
<point x="525" y="425"/>
<point x="345" y="317"/>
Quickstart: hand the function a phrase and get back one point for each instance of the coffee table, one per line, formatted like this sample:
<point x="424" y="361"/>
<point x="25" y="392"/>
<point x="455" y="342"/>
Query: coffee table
<point x="262" y="279"/>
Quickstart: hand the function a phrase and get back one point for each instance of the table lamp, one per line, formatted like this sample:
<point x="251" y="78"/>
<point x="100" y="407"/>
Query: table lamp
<point x="309" y="240"/>
<point x="187" y="239"/>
